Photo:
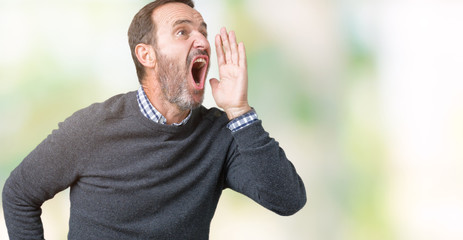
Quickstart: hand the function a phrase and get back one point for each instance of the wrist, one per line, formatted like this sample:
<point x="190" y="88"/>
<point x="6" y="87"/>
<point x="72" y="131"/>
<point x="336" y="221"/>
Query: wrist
<point x="233" y="113"/>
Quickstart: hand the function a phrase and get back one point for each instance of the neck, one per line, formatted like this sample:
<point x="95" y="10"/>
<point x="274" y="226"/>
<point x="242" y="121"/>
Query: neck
<point x="170" y="111"/>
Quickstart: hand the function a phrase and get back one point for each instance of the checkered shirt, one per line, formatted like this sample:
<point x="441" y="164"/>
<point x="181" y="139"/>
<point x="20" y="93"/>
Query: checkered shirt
<point x="151" y="113"/>
<point x="148" y="110"/>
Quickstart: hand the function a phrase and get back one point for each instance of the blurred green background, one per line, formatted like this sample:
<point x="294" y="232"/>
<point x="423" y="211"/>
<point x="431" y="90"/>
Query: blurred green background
<point x="366" y="98"/>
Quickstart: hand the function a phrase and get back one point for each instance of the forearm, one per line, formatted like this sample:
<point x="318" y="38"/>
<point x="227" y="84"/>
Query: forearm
<point x="262" y="171"/>
<point x="47" y="170"/>
<point x="21" y="211"/>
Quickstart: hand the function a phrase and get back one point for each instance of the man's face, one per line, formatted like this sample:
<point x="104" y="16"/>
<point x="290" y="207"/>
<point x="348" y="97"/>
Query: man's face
<point x="182" y="54"/>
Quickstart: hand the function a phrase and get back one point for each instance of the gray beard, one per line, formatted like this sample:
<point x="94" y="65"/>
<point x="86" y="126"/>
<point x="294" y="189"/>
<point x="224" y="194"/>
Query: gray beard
<point x="174" y="83"/>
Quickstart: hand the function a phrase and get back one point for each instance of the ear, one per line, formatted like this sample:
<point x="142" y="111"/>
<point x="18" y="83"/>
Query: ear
<point x="145" y="55"/>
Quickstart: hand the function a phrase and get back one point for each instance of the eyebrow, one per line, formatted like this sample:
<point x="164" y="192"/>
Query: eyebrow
<point x="186" y="21"/>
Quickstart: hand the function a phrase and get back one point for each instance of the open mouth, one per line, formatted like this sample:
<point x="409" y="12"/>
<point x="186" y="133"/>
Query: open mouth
<point x="198" y="70"/>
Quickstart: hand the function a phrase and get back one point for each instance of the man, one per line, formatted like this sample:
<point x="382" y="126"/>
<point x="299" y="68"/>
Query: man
<point x="151" y="164"/>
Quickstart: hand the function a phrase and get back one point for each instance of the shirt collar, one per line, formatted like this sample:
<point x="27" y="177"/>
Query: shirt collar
<point x="150" y="112"/>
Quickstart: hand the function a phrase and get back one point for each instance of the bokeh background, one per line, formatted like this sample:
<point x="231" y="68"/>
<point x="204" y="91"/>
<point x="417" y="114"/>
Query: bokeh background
<point x="366" y="97"/>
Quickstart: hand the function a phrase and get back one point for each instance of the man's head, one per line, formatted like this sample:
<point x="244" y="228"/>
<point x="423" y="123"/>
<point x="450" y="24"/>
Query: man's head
<point x="168" y="41"/>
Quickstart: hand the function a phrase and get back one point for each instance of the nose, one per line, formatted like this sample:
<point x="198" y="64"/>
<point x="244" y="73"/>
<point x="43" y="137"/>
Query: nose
<point x="201" y="42"/>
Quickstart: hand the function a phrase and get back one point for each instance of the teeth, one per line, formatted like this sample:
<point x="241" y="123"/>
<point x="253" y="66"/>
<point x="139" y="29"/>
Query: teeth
<point x="202" y="60"/>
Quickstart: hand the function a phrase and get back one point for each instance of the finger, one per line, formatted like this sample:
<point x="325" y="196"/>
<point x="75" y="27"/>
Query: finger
<point x="226" y="44"/>
<point x="219" y="50"/>
<point x="233" y="47"/>
<point x="242" y="52"/>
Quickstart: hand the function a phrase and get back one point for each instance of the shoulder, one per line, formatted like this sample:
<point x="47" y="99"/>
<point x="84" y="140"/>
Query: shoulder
<point x="213" y="114"/>
<point x="118" y="106"/>
<point x="208" y="121"/>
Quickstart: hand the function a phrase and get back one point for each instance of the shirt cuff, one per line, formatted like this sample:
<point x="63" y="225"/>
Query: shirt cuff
<point x="242" y="121"/>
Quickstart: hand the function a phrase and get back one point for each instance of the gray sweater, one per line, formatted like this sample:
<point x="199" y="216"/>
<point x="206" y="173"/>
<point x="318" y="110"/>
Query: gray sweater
<point x="131" y="178"/>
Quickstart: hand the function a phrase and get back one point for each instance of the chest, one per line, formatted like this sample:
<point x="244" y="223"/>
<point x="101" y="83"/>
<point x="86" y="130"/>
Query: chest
<point x="128" y="162"/>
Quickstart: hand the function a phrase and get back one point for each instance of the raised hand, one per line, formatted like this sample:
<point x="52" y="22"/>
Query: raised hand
<point x="231" y="91"/>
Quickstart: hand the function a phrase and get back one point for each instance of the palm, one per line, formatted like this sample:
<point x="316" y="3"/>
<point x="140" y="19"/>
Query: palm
<point x="230" y="93"/>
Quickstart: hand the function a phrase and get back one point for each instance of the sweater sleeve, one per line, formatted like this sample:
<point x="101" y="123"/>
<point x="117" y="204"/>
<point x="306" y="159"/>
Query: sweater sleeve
<point x="259" y="169"/>
<point x="48" y="169"/>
